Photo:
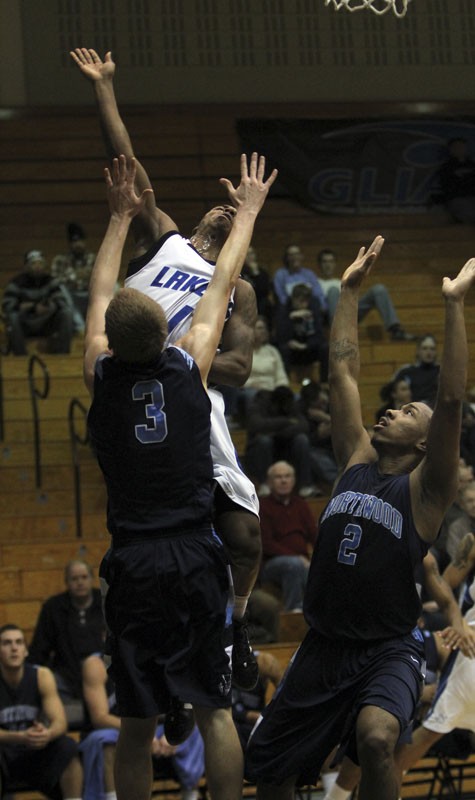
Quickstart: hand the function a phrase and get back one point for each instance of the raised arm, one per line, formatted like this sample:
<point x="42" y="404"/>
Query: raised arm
<point x="203" y="337"/>
<point x="457" y="635"/>
<point x="351" y="442"/>
<point x="152" y="222"/>
<point x="434" y="481"/>
<point x="124" y="204"/>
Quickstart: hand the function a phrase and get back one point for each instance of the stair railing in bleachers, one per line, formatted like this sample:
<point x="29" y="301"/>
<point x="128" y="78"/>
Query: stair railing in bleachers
<point x="77" y="438"/>
<point x="37" y="393"/>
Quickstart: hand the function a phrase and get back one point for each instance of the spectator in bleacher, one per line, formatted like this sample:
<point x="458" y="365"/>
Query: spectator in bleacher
<point x="457" y="182"/>
<point x="288" y="535"/>
<point x="376" y="296"/>
<point x="294" y="272"/>
<point x="35" y="304"/>
<point x="465" y="521"/>
<point x="260" y="280"/>
<point x="394" y="394"/>
<point x="248" y="705"/>
<point x="315" y="405"/>
<point x="423" y="375"/>
<point x="34" y="750"/>
<point x="73" y="269"/>
<point x="70" y="627"/>
<point x="98" y="746"/>
<point x="267" y="372"/>
<point x="455" y="512"/>
<point x="278" y="430"/>
<point x="299" y="331"/>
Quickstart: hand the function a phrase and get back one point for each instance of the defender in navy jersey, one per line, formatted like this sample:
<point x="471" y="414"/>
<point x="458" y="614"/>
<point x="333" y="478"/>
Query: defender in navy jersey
<point x="175" y="272"/>
<point x="34" y="751"/>
<point x="358" y="673"/>
<point x="165" y="578"/>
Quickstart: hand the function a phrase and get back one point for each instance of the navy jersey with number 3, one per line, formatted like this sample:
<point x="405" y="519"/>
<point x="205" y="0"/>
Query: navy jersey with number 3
<point x="370" y="547"/>
<point x="150" y="429"/>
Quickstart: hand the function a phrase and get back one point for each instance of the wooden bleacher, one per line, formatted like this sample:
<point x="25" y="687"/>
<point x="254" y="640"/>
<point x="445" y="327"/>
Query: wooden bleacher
<point x="52" y="163"/>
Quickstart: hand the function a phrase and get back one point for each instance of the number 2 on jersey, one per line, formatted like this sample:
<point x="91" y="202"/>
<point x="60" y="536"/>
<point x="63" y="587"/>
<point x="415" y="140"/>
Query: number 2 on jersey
<point x="350" y="542"/>
<point x="157" y="430"/>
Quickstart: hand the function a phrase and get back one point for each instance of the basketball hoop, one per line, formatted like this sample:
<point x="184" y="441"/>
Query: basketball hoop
<point x="399" y="7"/>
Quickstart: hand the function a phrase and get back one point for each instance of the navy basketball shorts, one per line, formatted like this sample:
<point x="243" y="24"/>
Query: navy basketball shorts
<point x="317" y="703"/>
<point x="168" y="613"/>
<point x="40" y="769"/>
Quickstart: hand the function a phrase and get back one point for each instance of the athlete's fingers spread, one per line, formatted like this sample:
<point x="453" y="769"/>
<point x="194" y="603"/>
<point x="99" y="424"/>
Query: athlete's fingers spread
<point x="244" y="173"/>
<point x="253" y="165"/>
<point x="270" y="180"/>
<point x="107" y="177"/>
<point x="261" y="168"/>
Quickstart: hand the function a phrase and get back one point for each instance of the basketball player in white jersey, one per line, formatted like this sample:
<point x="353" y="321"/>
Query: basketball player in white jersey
<point x="175" y="272"/>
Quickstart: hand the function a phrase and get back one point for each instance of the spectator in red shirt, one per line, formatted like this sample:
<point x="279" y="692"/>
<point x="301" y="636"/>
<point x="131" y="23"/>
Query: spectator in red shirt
<point x="288" y="535"/>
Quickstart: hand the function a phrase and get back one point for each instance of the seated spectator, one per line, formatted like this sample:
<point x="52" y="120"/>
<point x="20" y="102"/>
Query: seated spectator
<point x="455" y="512"/>
<point x="35" y="304"/>
<point x="260" y="280"/>
<point x="70" y="627"/>
<point x="376" y="296"/>
<point x="394" y="394"/>
<point x="288" y="534"/>
<point x="249" y="705"/>
<point x="73" y="269"/>
<point x="465" y="523"/>
<point x="102" y="733"/>
<point x="299" y="332"/>
<point x="294" y="272"/>
<point x="34" y="750"/>
<point x="423" y="376"/>
<point x="267" y="372"/>
<point x="315" y="405"/>
<point x="457" y="182"/>
<point x="278" y="430"/>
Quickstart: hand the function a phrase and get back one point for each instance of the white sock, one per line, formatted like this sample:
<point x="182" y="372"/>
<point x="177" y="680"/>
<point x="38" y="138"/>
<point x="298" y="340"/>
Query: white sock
<point x="240" y="605"/>
<point x="190" y="794"/>
<point x="110" y="796"/>
<point x="337" y="793"/>
<point x="328" y="779"/>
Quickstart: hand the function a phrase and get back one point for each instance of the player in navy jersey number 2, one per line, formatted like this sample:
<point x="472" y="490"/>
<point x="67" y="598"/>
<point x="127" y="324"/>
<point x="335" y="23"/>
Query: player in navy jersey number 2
<point x="356" y="679"/>
<point x="165" y="578"/>
<point x="175" y="271"/>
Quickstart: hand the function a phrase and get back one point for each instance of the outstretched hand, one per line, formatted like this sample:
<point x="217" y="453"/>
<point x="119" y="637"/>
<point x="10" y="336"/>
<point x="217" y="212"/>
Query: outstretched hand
<point x="92" y="66"/>
<point x="252" y="190"/>
<point x="121" y="194"/>
<point x="354" y="274"/>
<point x="456" y="288"/>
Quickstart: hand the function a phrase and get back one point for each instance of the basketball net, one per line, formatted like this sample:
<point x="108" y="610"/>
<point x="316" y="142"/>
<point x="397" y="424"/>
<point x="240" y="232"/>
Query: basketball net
<point x="399" y="7"/>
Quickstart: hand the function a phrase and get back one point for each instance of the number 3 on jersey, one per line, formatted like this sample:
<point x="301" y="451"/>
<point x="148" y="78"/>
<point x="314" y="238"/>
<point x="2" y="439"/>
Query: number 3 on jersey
<point x="350" y="542"/>
<point x="157" y="430"/>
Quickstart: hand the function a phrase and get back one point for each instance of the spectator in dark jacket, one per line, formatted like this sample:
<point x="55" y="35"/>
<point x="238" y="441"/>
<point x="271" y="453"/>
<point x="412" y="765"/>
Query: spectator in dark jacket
<point x="276" y="430"/>
<point x="69" y="628"/>
<point x="299" y="331"/>
<point x="35" y="304"/>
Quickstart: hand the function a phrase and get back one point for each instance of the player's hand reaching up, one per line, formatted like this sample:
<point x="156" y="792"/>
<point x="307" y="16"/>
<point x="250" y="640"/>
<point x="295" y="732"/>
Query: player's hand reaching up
<point x="354" y="274"/>
<point x="456" y="288"/>
<point x="91" y="64"/>
<point x="252" y="190"/>
<point x="121" y="194"/>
